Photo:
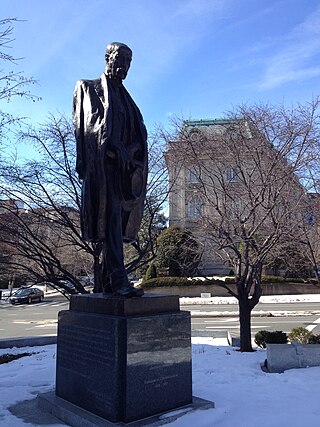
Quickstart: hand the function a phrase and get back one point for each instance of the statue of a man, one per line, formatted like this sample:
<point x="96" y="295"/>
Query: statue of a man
<point x="112" y="164"/>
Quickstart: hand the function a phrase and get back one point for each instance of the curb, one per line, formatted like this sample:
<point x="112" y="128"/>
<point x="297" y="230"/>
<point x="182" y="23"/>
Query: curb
<point x="27" y="341"/>
<point x="205" y="314"/>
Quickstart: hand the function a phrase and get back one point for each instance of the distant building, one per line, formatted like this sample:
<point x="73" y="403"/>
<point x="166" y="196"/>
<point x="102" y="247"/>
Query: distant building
<point x="9" y="204"/>
<point x="41" y="241"/>
<point x="209" y="167"/>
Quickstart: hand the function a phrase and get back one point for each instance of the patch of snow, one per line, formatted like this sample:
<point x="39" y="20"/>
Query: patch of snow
<point x="244" y="395"/>
<point x="282" y="299"/>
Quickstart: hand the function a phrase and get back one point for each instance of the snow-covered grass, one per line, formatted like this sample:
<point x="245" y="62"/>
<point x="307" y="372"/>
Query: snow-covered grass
<point x="24" y="378"/>
<point x="244" y="395"/>
<point x="263" y="300"/>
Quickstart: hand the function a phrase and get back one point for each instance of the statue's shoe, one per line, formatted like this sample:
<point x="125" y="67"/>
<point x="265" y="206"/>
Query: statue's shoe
<point x="128" y="292"/>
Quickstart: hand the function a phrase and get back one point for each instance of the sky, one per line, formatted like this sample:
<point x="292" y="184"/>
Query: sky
<point x="191" y="58"/>
<point x="243" y="394"/>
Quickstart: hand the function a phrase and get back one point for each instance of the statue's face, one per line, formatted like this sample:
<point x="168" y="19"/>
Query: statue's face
<point x="119" y="63"/>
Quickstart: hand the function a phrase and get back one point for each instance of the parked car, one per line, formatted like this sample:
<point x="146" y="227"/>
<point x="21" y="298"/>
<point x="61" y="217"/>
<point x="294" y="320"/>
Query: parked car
<point x="27" y="295"/>
<point x="71" y="289"/>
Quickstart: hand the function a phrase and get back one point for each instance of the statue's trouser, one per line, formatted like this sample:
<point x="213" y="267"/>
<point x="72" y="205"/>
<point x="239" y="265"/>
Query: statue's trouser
<point x="115" y="275"/>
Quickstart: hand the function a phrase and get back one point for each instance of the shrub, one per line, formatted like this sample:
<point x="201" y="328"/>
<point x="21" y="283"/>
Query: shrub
<point x="262" y="338"/>
<point x="302" y="335"/>
<point x="178" y="251"/>
<point x="314" y="339"/>
<point x="151" y="272"/>
<point x="276" y="337"/>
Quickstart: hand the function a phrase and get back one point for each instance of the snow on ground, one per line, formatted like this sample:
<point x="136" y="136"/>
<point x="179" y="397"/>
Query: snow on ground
<point x="24" y="378"/>
<point x="244" y="395"/>
<point x="263" y="300"/>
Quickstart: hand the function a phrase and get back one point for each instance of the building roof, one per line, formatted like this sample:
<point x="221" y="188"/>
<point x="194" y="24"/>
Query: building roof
<point x="208" y="122"/>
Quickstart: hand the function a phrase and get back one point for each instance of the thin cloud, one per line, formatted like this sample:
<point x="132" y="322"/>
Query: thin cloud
<point x="200" y="8"/>
<point x="164" y="45"/>
<point x="298" y="59"/>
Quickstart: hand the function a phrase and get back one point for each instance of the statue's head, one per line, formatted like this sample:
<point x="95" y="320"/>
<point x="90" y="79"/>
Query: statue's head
<point x="118" y="58"/>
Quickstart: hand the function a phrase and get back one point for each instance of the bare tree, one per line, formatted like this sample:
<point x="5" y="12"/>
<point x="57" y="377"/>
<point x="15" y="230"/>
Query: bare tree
<point x="43" y="216"/>
<point x="248" y="192"/>
<point x="44" y="228"/>
<point x="13" y="83"/>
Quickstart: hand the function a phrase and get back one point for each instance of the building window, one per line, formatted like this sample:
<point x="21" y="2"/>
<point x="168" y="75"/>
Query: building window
<point x="310" y="220"/>
<point x="194" y="175"/>
<point x="232" y="174"/>
<point x="194" y="208"/>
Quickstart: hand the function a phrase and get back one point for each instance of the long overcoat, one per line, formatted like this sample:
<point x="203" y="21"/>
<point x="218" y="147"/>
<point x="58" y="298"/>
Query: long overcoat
<point x="92" y="119"/>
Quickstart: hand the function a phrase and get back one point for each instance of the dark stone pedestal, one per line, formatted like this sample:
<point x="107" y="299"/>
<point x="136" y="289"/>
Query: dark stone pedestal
<point x="124" y="363"/>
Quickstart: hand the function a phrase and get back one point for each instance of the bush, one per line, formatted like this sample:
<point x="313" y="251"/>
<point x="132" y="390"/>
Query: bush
<point x="178" y="251"/>
<point x="276" y="337"/>
<point x="262" y="338"/>
<point x="302" y="335"/>
<point x="151" y="272"/>
<point x="314" y="339"/>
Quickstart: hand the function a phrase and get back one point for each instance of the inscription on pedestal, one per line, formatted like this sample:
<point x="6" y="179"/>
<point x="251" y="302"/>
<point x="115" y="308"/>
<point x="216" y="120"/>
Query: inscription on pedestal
<point x="124" y="368"/>
<point x="161" y="381"/>
<point x="88" y="373"/>
<point x="158" y="363"/>
<point x="77" y="340"/>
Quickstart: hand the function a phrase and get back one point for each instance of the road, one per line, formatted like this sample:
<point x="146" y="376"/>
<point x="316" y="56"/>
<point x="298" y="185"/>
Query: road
<point x="31" y="320"/>
<point x="41" y="318"/>
<point x="231" y="324"/>
<point x="283" y="317"/>
<point x="268" y="307"/>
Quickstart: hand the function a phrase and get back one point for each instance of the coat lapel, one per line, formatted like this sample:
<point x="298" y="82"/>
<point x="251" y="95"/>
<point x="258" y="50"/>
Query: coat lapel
<point x="104" y="96"/>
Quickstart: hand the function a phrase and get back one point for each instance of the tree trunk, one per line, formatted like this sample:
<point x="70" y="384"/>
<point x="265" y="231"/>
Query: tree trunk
<point x="245" y="324"/>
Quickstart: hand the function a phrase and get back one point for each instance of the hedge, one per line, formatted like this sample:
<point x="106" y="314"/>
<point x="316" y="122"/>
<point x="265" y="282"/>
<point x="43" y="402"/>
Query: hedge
<point x="184" y="281"/>
<point x="178" y="281"/>
<point x="278" y="279"/>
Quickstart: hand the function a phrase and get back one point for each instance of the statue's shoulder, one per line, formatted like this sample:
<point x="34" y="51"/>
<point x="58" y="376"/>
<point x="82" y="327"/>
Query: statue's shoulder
<point x="89" y="83"/>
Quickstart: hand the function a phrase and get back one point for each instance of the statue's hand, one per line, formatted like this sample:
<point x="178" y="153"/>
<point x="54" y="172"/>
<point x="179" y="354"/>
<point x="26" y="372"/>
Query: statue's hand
<point x="122" y="155"/>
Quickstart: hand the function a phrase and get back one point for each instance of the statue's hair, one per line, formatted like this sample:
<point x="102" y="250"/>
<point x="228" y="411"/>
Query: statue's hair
<point x="114" y="46"/>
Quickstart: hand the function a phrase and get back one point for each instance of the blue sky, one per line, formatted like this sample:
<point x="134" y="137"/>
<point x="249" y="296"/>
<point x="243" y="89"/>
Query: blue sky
<point x="192" y="58"/>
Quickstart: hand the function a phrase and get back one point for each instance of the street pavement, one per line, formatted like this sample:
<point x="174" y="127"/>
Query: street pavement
<point x="37" y="319"/>
<point x="40" y="319"/>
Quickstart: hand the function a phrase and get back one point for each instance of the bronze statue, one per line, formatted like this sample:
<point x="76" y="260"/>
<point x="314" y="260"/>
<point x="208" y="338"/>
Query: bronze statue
<point x="112" y="164"/>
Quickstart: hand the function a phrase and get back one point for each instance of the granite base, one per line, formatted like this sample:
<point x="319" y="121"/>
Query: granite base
<point x="49" y="403"/>
<point x="124" y="367"/>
